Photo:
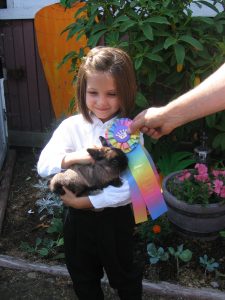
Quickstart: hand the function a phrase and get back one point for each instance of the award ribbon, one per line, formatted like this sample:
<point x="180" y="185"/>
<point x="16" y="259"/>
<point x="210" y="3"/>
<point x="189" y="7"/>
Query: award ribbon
<point x="142" y="175"/>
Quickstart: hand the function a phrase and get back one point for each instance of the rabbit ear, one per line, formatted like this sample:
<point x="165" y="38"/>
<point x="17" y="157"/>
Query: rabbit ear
<point x="103" y="141"/>
<point x="96" y="154"/>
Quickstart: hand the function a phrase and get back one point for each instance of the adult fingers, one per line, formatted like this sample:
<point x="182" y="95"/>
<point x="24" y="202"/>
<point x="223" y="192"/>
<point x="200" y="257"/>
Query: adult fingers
<point x="138" y="122"/>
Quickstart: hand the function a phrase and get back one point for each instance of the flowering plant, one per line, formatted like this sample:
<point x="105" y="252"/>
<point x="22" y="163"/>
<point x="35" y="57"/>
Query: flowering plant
<point x="199" y="186"/>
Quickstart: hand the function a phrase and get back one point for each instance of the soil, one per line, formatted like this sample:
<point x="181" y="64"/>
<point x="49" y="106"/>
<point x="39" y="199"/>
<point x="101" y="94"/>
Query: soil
<point x="23" y="223"/>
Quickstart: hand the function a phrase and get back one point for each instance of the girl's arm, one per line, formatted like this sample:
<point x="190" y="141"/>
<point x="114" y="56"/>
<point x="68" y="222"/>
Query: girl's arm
<point x="70" y="199"/>
<point x="109" y="197"/>
<point x="60" y="152"/>
<point x="81" y="157"/>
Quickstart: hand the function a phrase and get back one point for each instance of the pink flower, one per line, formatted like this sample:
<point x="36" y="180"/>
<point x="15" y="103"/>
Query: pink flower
<point x="202" y="169"/>
<point x="222" y="192"/>
<point x="218" y="184"/>
<point x="202" y="177"/>
<point x="210" y="189"/>
<point x="216" y="173"/>
<point x="185" y="175"/>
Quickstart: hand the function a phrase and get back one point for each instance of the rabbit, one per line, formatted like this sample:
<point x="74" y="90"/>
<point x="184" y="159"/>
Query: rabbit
<point x="108" y="164"/>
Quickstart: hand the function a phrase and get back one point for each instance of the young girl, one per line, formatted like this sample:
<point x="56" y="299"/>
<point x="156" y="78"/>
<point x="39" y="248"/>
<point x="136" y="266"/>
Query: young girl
<point x="98" y="230"/>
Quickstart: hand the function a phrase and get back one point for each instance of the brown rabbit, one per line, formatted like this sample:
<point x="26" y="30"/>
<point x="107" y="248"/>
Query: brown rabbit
<point x="81" y="179"/>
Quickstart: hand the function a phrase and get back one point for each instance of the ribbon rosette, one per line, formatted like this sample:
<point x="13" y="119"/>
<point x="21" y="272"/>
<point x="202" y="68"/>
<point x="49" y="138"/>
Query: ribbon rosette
<point x="142" y="174"/>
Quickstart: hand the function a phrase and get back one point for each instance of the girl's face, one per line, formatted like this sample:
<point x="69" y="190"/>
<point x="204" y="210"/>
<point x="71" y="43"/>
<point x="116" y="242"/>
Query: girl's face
<point x="101" y="96"/>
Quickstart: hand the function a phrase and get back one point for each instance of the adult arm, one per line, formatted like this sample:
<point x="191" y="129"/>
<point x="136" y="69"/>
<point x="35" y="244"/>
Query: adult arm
<point x="205" y="99"/>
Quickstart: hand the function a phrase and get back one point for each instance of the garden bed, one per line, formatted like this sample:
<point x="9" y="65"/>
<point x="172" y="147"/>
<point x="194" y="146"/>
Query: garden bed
<point x="23" y="224"/>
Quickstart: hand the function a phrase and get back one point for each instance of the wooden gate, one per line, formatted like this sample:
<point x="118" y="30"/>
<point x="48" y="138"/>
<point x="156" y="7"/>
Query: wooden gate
<point x="28" y="104"/>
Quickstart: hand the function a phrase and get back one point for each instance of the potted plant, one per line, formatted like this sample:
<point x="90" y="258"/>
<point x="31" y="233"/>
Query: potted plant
<point x="196" y="201"/>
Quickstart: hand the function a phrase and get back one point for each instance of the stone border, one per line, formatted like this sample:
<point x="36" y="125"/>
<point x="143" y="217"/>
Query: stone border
<point x="163" y="289"/>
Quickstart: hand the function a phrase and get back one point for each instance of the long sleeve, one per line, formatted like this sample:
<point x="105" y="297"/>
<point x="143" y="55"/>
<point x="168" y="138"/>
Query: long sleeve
<point x="51" y="156"/>
<point x="112" y="196"/>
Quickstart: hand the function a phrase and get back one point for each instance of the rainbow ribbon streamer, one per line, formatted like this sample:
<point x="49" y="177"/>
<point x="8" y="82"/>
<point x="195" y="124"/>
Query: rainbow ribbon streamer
<point x="142" y="174"/>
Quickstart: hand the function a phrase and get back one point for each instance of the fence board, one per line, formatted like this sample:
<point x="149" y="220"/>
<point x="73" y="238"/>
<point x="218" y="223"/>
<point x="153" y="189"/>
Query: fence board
<point x="11" y="93"/>
<point x="46" y="110"/>
<point x="31" y="75"/>
<point x="20" y="64"/>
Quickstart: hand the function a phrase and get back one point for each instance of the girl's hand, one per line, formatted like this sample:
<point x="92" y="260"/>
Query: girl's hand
<point x="78" y="157"/>
<point x="70" y="199"/>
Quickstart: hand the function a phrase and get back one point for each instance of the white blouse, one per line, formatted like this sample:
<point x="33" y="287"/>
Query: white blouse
<point x="74" y="134"/>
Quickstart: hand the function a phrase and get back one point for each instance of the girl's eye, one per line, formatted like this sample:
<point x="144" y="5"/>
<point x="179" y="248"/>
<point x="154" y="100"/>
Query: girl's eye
<point x="92" y="93"/>
<point x="112" y="94"/>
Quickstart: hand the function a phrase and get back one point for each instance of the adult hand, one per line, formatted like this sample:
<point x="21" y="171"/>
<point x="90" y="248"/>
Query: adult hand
<point x="153" y="122"/>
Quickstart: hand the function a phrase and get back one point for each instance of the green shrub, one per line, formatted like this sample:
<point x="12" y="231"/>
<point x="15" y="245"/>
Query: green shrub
<point x="172" y="50"/>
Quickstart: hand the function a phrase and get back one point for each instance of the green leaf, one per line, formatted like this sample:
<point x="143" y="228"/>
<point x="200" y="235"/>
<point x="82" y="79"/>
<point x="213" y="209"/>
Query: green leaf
<point x="94" y="9"/>
<point x="175" y="161"/>
<point x="43" y="251"/>
<point x="151" y="249"/>
<point x="147" y="30"/>
<point x="93" y="40"/>
<point x="122" y="19"/>
<point x="219" y="141"/>
<point x="158" y="48"/>
<point x="98" y="27"/>
<point x="186" y="255"/>
<point x="179" y="53"/>
<point x="169" y="42"/>
<point x="171" y="251"/>
<point x="141" y="101"/>
<point x="138" y="62"/>
<point x="38" y="241"/>
<point x="210" y="5"/>
<point x="154" y="57"/>
<point x="77" y="28"/>
<point x="219" y="27"/>
<point x="56" y="226"/>
<point x="60" y="242"/>
<point x="205" y="20"/>
<point x="124" y="27"/>
<point x="67" y="57"/>
<point x="191" y="41"/>
<point x="80" y="10"/>
<point x="211" y="120"/>
<point x="222" y="233"/>
<point x="158" y="20"/>
<point x="112" y="38"/>
<point x="152" y="76"/>
<point x="154" y="260"/>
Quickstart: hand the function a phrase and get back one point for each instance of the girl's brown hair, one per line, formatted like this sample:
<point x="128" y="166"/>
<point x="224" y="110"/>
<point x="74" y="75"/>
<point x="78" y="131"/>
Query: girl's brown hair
<point x="118" y="64"/>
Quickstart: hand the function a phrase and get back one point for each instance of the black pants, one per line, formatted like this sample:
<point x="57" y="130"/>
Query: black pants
<point x="97" y="240"/>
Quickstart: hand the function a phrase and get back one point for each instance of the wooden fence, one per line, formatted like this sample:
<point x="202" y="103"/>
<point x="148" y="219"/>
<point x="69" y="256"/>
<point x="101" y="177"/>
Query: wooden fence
<point x="28" y="105"/>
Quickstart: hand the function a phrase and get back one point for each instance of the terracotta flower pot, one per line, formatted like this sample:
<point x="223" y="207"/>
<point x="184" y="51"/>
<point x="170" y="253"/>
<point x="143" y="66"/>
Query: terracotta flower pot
<point x="194" y="220"/>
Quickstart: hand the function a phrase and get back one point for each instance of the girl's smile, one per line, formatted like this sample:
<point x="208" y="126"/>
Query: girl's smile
<point x="101" y="96"/>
